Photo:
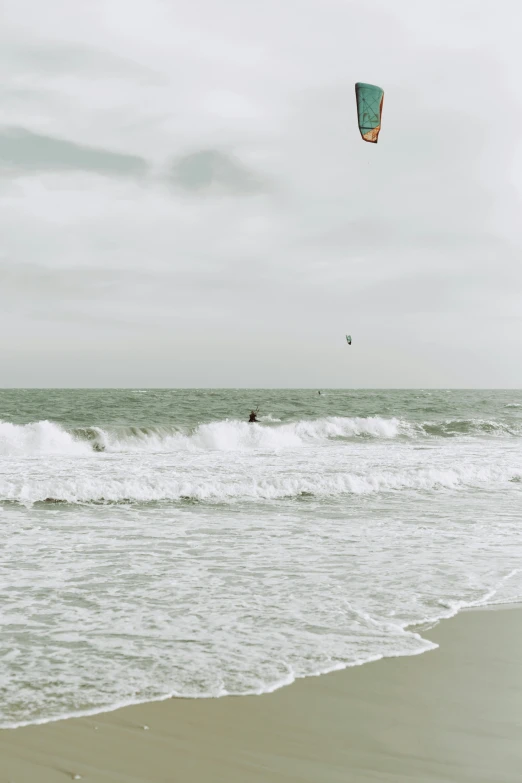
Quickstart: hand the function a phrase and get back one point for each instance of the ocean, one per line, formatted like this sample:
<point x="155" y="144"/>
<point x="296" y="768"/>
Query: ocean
<point x="153" y="543"/>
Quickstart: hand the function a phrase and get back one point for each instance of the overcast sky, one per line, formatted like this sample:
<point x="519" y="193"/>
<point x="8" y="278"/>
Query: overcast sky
<point x="185" y="199"/>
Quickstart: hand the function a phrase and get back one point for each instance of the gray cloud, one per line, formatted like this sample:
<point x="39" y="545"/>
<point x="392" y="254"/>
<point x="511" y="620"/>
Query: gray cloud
<point x="58" y="57"/>
<point x="212" y="169"/>
<point x="22" y="151"/>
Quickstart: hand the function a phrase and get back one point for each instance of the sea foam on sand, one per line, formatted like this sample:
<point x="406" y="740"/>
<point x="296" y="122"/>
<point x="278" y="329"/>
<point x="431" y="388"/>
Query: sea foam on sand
<point x="452" y="715"/>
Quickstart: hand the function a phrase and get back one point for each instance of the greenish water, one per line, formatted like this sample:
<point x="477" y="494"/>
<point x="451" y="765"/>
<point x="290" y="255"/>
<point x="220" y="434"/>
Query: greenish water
<point x="191" y="407"/>
<point x="155" y="543"/>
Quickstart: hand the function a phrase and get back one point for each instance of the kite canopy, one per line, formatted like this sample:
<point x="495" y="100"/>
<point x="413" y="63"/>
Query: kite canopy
<point x="349" y="339"/>
<point x="369" y="110"/>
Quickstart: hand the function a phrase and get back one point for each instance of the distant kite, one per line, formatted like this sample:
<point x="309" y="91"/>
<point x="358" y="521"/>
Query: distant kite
<point x="349" y="339"/>
<point x="369" y="110"/>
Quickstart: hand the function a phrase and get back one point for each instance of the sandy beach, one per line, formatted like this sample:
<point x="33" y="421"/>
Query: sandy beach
<point x="450" y="715"/>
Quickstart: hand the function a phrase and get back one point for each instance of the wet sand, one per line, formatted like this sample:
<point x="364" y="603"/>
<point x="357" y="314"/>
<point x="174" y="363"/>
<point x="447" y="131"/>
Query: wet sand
<point x="450" y="715"/>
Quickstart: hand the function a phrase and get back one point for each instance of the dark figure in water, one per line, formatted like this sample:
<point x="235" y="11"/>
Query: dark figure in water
<point x="253" y="417"/>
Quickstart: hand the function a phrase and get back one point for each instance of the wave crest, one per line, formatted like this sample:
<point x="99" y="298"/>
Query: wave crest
<point x="451" y="428"/>
<point x="37" y="439"/>
<point x="154" y="488"/>
<point x="49" y="438"/>
<point x="45" y="437"/>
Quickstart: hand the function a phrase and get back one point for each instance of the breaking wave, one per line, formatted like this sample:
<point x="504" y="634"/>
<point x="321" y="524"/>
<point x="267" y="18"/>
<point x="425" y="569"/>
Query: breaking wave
<point x="37" y="439"/>
<point x="45" y="437"/>
<point x="139" y="486"/>
<point x="48" y="438"/>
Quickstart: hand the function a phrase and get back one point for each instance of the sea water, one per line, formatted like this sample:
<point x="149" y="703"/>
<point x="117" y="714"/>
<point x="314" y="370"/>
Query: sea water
<point x="153" y="543"/>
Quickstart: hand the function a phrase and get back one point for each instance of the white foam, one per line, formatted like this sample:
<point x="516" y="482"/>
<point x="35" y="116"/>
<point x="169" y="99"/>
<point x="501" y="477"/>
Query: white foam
<point x="407" y="631"/>
<point x="45" y="437"/>
<point x="230" y="435"/>
<point x="38" y="438"/>
<point x="138" y="485"/>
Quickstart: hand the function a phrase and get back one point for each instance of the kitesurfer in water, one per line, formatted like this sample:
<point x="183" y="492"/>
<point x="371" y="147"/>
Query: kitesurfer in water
<point x="253" y="417"/>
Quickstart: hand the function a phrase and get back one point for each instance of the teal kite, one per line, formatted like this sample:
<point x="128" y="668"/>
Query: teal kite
<point x="369" y="110"/>
<point x="349" y="339"/>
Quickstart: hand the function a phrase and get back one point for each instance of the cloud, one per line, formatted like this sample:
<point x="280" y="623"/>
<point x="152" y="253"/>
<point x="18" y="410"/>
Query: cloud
<point x="45" y="58"/>
<point x="212" y="169"/>
<point x="22" y="152"/>
<point x="264" y="218"/>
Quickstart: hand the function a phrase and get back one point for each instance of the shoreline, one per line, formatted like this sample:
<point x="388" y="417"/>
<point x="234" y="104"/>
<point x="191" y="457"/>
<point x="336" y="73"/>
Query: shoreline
<point x="452" y="714"/>
<point x="420" y="629"/>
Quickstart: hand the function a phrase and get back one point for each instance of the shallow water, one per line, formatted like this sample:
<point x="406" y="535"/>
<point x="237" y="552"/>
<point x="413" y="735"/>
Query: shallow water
<point x="154" y="543"/>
